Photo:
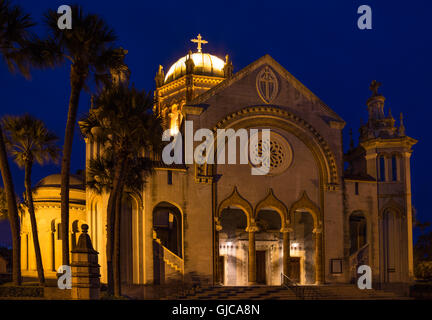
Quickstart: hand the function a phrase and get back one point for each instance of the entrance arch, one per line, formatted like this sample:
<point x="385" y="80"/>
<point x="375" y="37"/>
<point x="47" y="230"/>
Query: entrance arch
<point x="168" y="246"/>
<point x="313" y="228"/>
<point x="269" y="252"/>
<point x="168" y="226"/>
<point x="236" y="241"/>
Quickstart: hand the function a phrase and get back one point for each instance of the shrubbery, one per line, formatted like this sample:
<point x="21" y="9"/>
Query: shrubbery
<point x="423" y="270"/>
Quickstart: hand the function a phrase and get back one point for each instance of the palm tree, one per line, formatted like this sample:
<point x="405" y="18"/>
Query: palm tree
<point x="14" y="36"/>
<point x="29" y="141"/>
<point x="124" y="123"/>
<point x="3" y="205"/>
<point x="100" y="178"/>
<point x="88" y="47"/>
<point x="14" y="33"/>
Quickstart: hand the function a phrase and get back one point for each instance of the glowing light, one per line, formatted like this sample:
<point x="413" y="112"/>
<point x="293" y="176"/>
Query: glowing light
<point x="174" y="130"/>
<point x="295" y="245"/>
<point x="204" y="62"/>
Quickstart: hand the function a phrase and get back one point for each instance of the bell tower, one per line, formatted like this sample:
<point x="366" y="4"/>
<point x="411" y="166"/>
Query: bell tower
<point x="383" y="155"/>
<point x="186" y="79"/>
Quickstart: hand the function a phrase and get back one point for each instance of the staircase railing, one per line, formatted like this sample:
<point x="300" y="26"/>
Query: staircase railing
<point x="169" y="257"/>
<point x="293" y="286"/>
<point x="301" y="292"/>
<point x="360" y="257"/>
<point x="173" y="260"/>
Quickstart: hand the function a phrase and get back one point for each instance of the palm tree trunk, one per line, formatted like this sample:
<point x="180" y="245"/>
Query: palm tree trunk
<point x="12" y="212"/>
<point x="118" y="172"/>
<point x="116" y="250"/>
<point x="77" y="81"/>
<point x="29" y="196"/>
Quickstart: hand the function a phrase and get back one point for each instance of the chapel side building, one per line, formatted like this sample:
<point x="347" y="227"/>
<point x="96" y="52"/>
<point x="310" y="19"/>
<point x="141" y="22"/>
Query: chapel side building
<point x="308" y="218"/>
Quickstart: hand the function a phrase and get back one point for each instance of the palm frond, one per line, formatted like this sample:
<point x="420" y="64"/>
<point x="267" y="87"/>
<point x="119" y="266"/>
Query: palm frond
<point x="28" y="140"/>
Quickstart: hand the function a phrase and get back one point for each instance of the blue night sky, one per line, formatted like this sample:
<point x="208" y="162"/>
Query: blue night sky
<point x="317" y="41"/>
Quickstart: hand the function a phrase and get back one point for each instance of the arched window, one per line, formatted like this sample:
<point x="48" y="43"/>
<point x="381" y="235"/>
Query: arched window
<point x="358" y="231"/>
<point x="394" y="168"/>
<point x="382" y="168"/>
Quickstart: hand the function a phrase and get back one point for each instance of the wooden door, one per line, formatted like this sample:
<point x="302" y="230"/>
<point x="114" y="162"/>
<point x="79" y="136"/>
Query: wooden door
<point x="261" y="267"/>
<point x="295" y="269"/>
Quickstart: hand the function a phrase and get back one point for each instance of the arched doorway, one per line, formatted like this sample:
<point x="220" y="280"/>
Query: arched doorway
<point x="233" y="247"/>
<point x="167" y="223"/>
<point x="168" y="242"/>
<point x="303" y="247"/>
<point x="359" y="246"/>
<point x="358" y="231"/>
<point x="268" y="243"/>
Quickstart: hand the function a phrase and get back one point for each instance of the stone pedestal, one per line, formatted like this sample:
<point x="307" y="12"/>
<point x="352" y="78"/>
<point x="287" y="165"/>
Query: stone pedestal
<point x="85" y="269"/>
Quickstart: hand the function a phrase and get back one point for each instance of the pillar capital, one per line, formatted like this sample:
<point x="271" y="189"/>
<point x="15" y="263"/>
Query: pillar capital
<point x="317" y="230"/>
<point x="218" y="225"/>
<point x="252" y="228"/>
<point x="286" y="229"/>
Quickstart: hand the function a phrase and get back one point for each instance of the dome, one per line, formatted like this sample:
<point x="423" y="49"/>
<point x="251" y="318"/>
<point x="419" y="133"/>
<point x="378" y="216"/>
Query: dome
<point x="205" y="64"/>
<point x="54" y="180"/>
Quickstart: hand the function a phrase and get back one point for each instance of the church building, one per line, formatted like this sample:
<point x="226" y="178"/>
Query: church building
<point x="315" y="217"/>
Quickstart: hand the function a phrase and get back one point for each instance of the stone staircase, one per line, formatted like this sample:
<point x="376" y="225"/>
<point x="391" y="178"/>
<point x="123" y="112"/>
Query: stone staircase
<point x="174" y="263"/>
<point x="325" y="292"/>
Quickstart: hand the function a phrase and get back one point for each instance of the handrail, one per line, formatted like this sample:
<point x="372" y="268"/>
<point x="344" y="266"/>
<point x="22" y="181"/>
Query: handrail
<point x="362" y="248"/>
<point x="293" y="286"/>
<point x="300" y="291"/>
<point x="170" y="257"/>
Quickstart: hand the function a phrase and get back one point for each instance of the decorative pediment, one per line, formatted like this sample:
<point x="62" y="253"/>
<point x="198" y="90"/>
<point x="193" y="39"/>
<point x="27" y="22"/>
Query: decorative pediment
<point x="306" y="204"/>
<point x="236" y="200"/>
<point x="277" y="70"/>
<point x="271" y="202"/>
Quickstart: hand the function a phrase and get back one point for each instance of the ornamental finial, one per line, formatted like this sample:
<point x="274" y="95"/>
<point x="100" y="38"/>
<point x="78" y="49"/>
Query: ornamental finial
<point x="200" y="41"/>
<point x="374" y="88"/>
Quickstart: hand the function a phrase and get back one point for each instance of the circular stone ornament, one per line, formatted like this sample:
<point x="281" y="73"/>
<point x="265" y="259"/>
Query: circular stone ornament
<point x="280" y="153"/>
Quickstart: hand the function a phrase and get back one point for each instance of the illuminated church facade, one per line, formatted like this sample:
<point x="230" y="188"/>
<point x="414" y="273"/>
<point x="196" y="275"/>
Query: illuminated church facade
<point x="315" y="217"/>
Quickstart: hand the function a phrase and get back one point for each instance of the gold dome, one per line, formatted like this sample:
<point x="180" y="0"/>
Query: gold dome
<point x="54" y="180"/>
<point x="205" y="64"/>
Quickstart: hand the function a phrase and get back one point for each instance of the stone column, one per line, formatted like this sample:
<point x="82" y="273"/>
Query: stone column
<point x="319" y="275"/>
<point x="217" y="272"/>
<point x="286" y="252"/>
<point x="408" y="209"/>
<point x="252" y="253"/>
<point x="85" y="268"/>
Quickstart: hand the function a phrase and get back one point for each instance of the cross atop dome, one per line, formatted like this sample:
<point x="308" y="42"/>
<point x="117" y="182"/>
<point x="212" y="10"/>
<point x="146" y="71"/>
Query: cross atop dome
<point x="199" y="41"/>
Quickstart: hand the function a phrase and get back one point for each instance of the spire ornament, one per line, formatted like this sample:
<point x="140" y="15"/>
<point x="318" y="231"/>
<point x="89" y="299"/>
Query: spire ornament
<point x="401" y="130"/>
<point x="228" y="67"/>
<point x="200" y="41"/>
<point x="374" y="88"/>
